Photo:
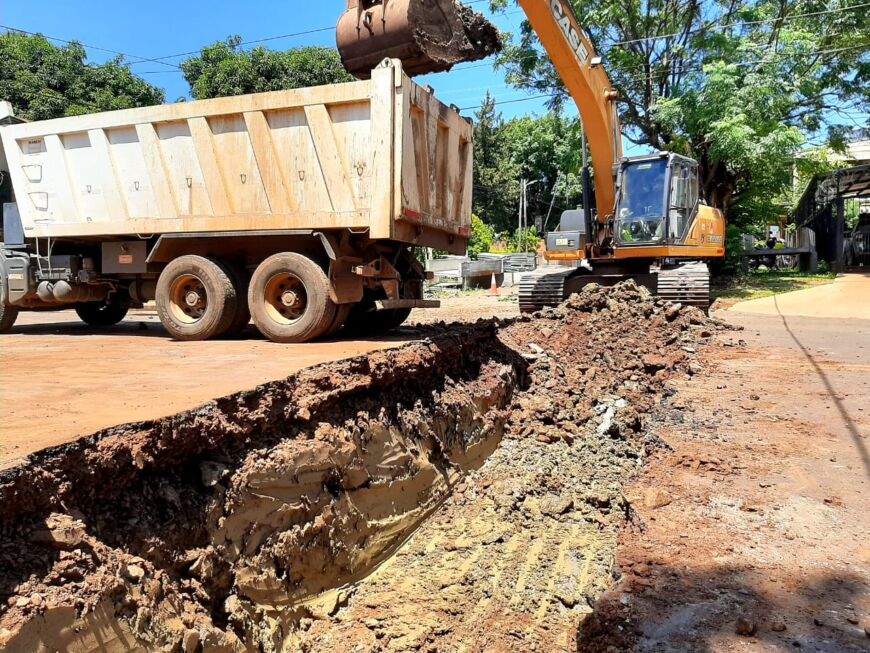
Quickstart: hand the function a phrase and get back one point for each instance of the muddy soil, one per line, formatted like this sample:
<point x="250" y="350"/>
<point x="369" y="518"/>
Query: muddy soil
<point x="430" y="36"/>
<point x="448" y="33"/>
<point x="396" y="500"/>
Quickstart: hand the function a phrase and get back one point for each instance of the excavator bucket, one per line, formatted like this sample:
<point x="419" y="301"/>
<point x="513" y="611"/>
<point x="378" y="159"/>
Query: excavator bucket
<point x="427" y="35"/>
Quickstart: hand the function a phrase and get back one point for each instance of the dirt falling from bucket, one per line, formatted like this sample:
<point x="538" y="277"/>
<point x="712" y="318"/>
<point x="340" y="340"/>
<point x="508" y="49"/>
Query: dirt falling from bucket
<point x="427" y="37"/>
<point x="279" y="518"/>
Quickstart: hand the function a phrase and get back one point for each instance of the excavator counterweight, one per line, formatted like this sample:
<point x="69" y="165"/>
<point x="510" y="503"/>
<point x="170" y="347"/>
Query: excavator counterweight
<point x="426" y="35"/>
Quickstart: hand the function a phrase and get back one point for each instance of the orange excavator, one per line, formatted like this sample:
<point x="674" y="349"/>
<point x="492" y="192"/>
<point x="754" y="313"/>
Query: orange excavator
<point x="649" y="222"/>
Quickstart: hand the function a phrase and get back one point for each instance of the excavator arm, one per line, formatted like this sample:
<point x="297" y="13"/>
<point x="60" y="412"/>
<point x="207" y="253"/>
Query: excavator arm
<point x="658" y="217"/>
<point x="433" y="35"/>
<point x="587" y="82"/>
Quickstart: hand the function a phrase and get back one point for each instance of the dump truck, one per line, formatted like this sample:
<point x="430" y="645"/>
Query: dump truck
<point x="297" y="208"/>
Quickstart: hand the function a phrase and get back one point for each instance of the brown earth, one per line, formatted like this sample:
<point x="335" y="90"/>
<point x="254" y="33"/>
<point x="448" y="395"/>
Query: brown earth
<point x="60" y="379"/>
<point x="752" y="529"/>
<point x="745" y="528"/>
<point x="431" y="36"/>
<point x="268" y="520"/>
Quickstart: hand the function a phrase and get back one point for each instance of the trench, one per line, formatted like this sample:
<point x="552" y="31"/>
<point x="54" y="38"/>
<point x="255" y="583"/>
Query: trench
<point x="271" y="496"/>
<point x="475" y="476"/>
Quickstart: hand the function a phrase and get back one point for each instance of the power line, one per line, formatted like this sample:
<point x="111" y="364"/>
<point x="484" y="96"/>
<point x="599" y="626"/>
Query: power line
<point x="701" y="30"/>
<point x="691" y="69"/>
<point x="92" y="47"/>
<point x="263" y="40"/>
<point x="743" y="24"/>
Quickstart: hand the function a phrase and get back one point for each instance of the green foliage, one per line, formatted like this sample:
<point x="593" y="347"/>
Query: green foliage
<point x="496" y="174"/>
<point x="524" y="241"/>
<point x="733" y="247"/>
<point x="765" y="283"/>
<point x="544" y="150"/>
<point x="852" y="213"/>
<point x="481" y="239"/>
<point x="44" y="81"/>
<point x="224" y="69"/>
<point x="740" y="85"/>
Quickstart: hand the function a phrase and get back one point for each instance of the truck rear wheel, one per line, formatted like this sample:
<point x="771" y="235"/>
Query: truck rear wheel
<point x="342" y="312"/>
<point x="364" y="320"/>
<point x="289" y="299"/>
<point x="102" y="314"/>
<point x="240" y="279"/>
<point x="196" y="298"/>
<point x="8" y="314"/>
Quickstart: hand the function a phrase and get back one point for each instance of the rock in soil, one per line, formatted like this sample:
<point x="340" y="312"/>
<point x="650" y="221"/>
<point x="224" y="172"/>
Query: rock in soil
<point x="394" y="501"/>
<point x="745" y="627"/>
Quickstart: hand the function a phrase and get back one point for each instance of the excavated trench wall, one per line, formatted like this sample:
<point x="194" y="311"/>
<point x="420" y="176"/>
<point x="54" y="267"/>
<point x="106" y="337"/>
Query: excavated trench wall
<point x="242" y="510"/>
<point x="249" y="523"/>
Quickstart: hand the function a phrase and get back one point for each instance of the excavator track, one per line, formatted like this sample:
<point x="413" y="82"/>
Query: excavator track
<point x="549" y="286"/>
<point x="687" y="284"/>
<point x="543" y="287"/>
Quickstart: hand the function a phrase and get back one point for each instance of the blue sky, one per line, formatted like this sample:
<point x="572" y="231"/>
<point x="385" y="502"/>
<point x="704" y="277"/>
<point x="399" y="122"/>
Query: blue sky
<point x="159" y="28"/>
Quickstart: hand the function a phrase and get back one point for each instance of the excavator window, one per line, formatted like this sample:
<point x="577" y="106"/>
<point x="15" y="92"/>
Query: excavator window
<point x="684" y="199"/>
<point x="641" y="206"/>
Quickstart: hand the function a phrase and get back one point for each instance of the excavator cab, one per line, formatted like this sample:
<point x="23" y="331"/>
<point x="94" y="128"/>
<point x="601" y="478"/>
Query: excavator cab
<point x="657" y="198"/>
<point x="426" y="35"/>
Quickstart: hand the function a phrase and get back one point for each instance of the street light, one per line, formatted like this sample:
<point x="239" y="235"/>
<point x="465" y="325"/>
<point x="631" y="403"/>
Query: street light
<point x="524" y="210"/>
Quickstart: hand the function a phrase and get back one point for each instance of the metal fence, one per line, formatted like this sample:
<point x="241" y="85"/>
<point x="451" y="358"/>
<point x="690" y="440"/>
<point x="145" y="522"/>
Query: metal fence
<point x="822" y="208"/>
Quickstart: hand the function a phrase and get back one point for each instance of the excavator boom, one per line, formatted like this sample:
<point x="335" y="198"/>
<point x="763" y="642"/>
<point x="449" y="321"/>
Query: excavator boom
<point x="651" y="221"/>
<point x="580" y="69"/>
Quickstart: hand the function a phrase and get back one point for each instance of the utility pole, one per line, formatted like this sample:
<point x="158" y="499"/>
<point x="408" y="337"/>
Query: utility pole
<point x="553" y="199"/>
<point x="520" y="217"/>
<point x="525" y="220"/>
<point x="525" y="215"/>
<point x="587" y="186"/>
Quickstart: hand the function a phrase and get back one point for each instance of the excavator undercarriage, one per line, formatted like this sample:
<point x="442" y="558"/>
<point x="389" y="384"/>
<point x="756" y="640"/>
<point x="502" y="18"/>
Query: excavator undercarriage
<point x="686" y="283"/>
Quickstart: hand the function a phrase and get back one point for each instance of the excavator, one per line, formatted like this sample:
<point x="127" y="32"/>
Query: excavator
<point x="648" y="223"/>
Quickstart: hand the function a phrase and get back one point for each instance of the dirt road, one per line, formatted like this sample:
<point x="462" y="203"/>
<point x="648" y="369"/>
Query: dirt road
<point x="60" y="379"/>
<point x="745" y="528"/>
<point x="751" y="535"/>
<point x="848" y="297"/>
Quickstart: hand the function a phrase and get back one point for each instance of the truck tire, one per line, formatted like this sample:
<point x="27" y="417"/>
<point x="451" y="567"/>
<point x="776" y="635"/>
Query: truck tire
<point x="289" y="299"/>
<point x="365" y="321"/>
<point x="8" y="314"/>
<point x="196" y="298"/>
<point x="102" y="314"/>
<point x="240" y="279"/>
<point x="342" y="312"/>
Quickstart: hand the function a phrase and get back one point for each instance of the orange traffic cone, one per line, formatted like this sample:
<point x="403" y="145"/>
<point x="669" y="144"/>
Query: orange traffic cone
<point x="493" y="288"/>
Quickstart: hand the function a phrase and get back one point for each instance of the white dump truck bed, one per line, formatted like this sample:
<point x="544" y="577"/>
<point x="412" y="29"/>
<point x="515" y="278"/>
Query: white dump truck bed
<point x="382" y="155"/>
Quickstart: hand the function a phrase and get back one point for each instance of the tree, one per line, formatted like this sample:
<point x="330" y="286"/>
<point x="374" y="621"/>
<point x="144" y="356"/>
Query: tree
<point x="44" y="81"/>
<point x="544" y="150"/>
<point x="737" y="84"/>
<point x="224" y="69"/>
<point x="481" y="237"/>
<point x="496" y="175"/>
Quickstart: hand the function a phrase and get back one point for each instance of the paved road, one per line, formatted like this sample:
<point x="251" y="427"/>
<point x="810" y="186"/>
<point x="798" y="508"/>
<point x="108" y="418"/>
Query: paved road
<point x="60" y="379"/>
<point x="848" y="297"/>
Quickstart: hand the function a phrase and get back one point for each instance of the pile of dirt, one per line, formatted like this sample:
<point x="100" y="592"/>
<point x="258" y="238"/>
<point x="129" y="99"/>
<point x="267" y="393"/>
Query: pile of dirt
<point x="280" y="518"/>
<point x="449" y="33"/>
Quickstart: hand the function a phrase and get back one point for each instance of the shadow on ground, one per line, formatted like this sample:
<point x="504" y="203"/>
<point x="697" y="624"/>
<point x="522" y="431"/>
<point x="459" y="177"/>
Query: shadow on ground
<point x="74" y="329"/>
<point x="672" y="610"/>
